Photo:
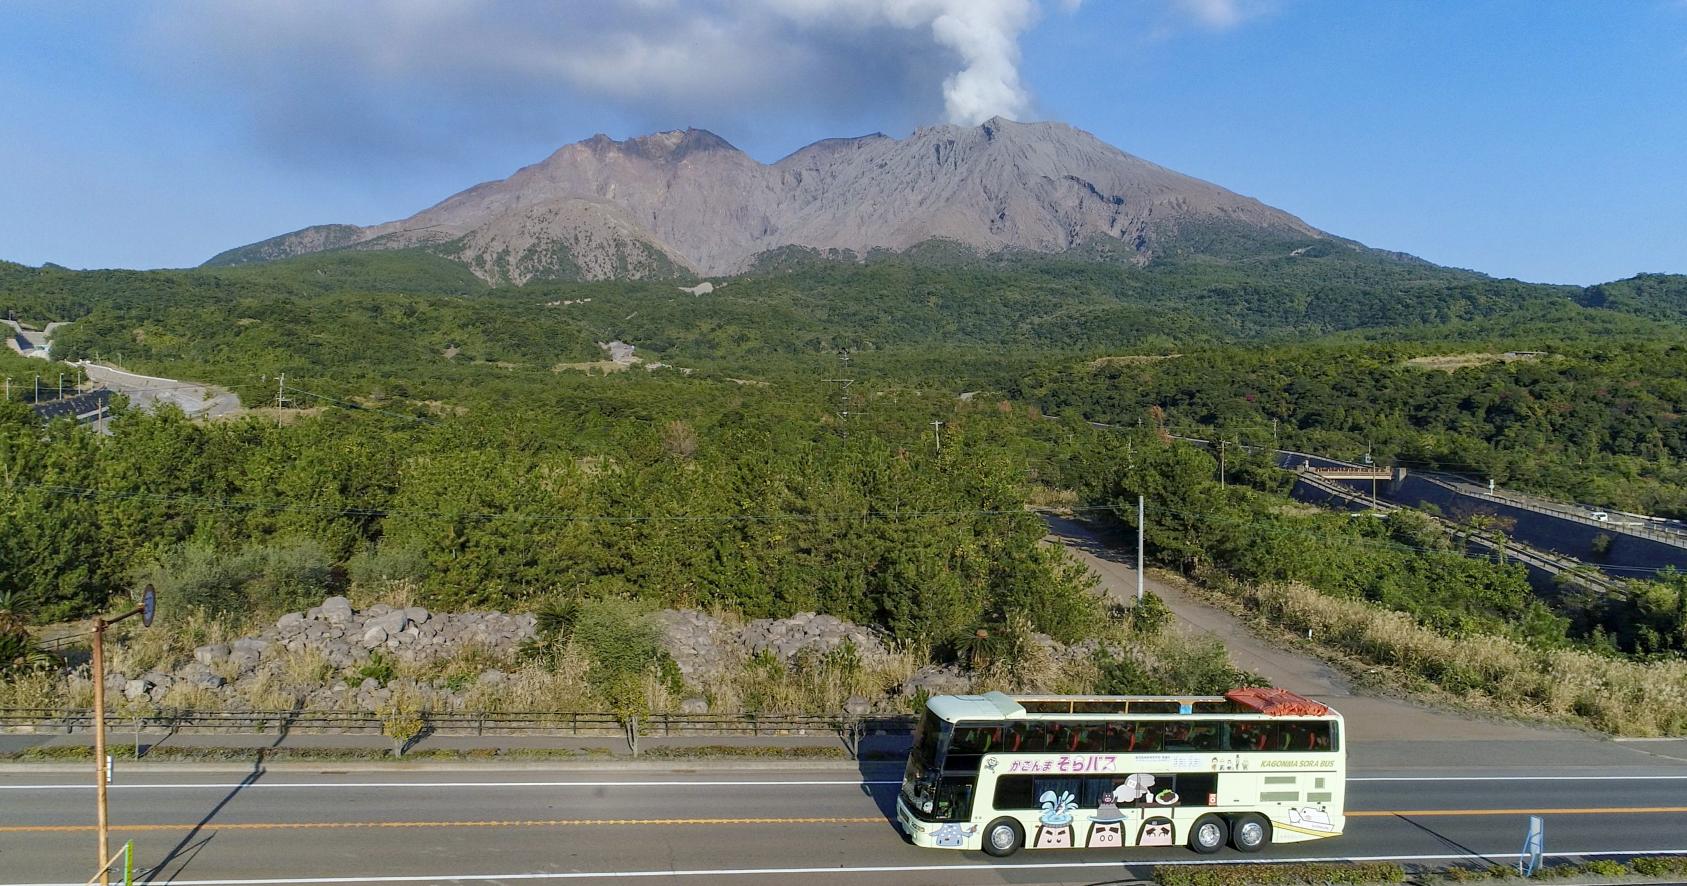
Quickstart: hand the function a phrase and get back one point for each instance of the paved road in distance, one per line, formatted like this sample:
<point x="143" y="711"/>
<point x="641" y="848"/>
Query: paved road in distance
<point x="730" y="826"/>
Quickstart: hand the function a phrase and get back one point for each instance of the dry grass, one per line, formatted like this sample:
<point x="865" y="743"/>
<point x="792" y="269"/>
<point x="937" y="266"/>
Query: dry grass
<point x="1618" y="696"/>
<point x="132" y="650"/>
<point x="1455" y="362"/>
<point x="399" y="594"/>
<point x="814" y="684"/>
<point x="42" y="689"/>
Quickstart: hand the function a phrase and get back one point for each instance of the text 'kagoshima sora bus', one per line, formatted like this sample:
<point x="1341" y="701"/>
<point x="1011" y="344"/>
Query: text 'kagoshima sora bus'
<point x="1248" y="768"/>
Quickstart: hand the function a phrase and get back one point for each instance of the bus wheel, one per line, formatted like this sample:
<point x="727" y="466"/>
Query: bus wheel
<point x="1250" y="832"/>
<point x="1208" y="834"/>
<point x="1003" y="837"/>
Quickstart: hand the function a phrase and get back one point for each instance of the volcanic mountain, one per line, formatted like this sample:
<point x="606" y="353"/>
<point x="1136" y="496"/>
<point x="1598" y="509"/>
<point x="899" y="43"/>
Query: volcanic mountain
<point x="688" y="203"/>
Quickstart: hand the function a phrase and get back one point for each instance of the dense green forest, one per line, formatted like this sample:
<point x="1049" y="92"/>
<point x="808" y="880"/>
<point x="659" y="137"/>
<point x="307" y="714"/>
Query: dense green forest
<point x="785" y="459"/>
<point x="1592" y="420"/>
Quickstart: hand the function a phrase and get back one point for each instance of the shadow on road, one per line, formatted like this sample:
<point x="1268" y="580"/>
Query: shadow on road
<point x="1448" y="842"/>
<point x="881" y="758"/>
<point x="187" y="849"/>
<point x="1099" y="543"/>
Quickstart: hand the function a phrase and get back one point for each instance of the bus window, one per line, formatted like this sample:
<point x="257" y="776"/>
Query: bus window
<point x="1304" y="736"/>
<point x="1089" y="738"/>
<point x="976" y="738"/>
<point x="1204" y="736"/>
<point x="1247" y="735"/>
<point x="954" y="799"/>
<point x="1155" y="707"/>
<point x="1033" y="736"/>
<point x="1177" y="736"/>
<point x="1150" y="737"/>
<point x="1014" y="792"/>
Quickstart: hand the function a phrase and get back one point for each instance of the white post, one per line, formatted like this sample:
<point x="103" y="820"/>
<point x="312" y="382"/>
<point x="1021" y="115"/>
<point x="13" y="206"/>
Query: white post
<point x="1140" y="566"/>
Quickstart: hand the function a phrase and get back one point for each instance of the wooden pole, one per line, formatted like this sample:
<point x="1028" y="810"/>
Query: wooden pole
<point x="99" y="744"/>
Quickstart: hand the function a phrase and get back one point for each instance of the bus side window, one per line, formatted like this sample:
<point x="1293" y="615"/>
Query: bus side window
<point x="1091" y="738"/>
<point x="1096" y="787"/>
<point x="1150" y="737"/>
<point x="1014" y="792"/>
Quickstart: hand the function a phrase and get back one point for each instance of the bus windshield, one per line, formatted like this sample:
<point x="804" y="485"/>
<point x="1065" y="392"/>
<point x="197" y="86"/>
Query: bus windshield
<point x="919" y="780"/>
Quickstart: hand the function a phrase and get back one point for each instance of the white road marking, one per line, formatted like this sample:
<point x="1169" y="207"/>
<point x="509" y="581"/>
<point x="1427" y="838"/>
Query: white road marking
<point x="120" y="786"/>
<point x="445" y="784"/>
<point x="872" y="869"/>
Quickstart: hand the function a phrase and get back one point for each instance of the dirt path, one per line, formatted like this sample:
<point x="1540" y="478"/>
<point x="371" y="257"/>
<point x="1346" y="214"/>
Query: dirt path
<point x="196" y="400"/>
<point x="1369" y="716"/>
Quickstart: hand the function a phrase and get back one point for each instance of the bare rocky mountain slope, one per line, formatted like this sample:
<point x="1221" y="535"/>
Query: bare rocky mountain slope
<point x="687" y="202"/>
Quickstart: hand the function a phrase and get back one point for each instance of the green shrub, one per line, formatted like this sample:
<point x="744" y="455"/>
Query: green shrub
<point x="387" y="562"/>
<point x="379" y="668"/>
<point x="1150" y="614"/>
<point x="261" y="579"/>
<point x="1285" y="874"/>
<point x="1661" y="866"/>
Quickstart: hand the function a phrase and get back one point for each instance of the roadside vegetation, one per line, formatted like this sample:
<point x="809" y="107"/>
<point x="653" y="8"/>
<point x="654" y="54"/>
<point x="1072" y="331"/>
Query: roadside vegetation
<point x="818" y="454"/>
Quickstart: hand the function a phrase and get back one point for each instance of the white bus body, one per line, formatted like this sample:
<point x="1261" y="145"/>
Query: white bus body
<point x="1000" y="773"/>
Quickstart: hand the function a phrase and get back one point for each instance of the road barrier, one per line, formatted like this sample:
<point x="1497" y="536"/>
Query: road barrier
<point x="582" y="723"/>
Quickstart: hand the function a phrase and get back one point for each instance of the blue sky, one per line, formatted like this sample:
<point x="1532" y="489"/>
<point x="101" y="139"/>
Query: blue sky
<point x="1539" y="139"/>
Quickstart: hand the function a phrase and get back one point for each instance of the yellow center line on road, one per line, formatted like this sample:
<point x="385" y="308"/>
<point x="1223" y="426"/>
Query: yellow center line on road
<point x="520" y="823"/>
<point x="636" y="822"/>
<point x="1590" y="810"/>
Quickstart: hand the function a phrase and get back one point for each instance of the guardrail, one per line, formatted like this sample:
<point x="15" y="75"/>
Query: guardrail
<point x="1563" y="512"/>
<point x="1570" y="568"/>
<point x="572" y="723"/>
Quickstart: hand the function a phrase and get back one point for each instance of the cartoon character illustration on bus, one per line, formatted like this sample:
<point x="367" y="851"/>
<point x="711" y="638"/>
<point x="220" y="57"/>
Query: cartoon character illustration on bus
<point x="1054" y="826"/>
<point x="952" y="835"/>
<point x="1311" y="818"/>
<point x="1156" y="831"/>
<point x="1107" y="825"/>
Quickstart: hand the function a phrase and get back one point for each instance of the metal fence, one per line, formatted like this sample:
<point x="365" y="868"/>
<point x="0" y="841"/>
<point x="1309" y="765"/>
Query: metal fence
<point x="571" y="723"/>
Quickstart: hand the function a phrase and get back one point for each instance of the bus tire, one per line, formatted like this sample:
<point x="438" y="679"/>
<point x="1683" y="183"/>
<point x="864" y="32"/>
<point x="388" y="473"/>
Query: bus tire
<point x="1250" y="832"/>
<point x="1003" y="837"/>
<point x="1208" y="835"/>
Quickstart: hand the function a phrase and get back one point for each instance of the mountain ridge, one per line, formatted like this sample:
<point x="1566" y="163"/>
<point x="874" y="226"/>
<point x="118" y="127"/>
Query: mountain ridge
<point x="687" y="202"/>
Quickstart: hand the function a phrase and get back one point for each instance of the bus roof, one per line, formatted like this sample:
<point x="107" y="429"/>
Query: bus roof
<point x="1001" y="706"/>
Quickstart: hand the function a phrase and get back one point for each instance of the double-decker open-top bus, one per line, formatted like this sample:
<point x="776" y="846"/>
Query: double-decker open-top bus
<point x="998" y="772"/>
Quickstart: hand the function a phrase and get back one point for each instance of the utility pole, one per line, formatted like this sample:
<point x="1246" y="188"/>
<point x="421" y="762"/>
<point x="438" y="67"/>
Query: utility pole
<point x="1275" y="446"/>
<point x="937" y="434"/>
<point x="8" y="389"/>
<point x="145" y="611"/>
<point x="37" y="388"/>
<point x="1140" y="565"/>
<point x="61" y="386"/>
<point x="280" y="390"/>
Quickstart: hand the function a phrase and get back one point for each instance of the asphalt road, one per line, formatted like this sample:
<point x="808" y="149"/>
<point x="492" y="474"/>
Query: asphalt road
<point x="732" y="825"/>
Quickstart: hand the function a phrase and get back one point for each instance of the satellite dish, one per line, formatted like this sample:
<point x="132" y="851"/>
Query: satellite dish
<point x="149" y="605"/>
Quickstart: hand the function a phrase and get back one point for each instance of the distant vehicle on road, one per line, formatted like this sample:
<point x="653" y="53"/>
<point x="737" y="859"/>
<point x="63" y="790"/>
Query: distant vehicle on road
<point x="999" y="772"/>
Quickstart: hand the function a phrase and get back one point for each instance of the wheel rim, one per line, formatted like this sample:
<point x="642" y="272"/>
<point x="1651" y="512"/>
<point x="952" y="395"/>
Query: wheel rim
<point x="1208" y="834"/>
<point x="1250" y="834"/>
<point x="1001" y="837"/>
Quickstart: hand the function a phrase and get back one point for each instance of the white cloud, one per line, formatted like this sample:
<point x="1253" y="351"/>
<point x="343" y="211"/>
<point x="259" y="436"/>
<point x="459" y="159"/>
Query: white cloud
<point x="302" y="67"/>
<point x="1220" y="15"/>
<point x="381" y="76"/>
